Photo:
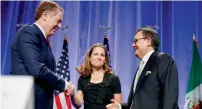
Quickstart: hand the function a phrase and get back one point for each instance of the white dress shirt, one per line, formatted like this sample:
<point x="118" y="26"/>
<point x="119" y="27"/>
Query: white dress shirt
<point x="146" y="58"/>
<point x="40" y="29"/>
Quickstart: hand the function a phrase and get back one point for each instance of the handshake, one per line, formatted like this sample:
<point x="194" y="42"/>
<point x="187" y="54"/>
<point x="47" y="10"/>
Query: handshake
<point x="70" y="89"/>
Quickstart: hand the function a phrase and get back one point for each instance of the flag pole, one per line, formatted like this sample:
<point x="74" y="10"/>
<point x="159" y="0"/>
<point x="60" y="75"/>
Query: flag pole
<point x="105" y="42"/>
<point x="105" y="29"/>
<point x="65" y="32"/>
<point x="195" y="41"/>
<point x="65" y="29"/>
<point x="63" y="70"/>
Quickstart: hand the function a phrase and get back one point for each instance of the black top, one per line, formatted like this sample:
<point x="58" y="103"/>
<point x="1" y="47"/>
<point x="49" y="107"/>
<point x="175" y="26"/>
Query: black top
<point x="98" y="95"/>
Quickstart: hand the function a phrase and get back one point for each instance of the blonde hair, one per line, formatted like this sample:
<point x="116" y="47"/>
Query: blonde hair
<point x="86" y="69"/>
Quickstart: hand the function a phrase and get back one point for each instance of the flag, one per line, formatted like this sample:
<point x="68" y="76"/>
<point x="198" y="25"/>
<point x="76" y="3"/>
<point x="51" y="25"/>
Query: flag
<point x="193" y="96"/>
<point x="106" y="44"/>
<point x="61" y="101"/>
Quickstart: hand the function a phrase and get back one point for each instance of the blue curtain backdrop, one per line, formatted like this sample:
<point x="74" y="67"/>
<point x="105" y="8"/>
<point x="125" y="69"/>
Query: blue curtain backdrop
<point x="176" y="21"/>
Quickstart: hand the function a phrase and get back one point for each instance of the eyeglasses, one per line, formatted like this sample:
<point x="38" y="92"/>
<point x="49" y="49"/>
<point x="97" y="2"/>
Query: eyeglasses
<point x="135" y="40"/>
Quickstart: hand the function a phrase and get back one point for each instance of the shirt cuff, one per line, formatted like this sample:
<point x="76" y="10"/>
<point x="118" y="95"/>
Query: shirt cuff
<point x="120" y="106"/>
<point x="66" y="85"/>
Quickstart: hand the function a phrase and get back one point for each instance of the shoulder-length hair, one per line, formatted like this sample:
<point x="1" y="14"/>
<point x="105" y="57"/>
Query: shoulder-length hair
<point x="86" y="69"/>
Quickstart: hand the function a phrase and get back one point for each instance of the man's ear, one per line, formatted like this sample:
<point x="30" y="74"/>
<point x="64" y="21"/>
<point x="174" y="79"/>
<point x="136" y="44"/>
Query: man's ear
<point x="149" y="41"/>
<point x="44" y="15"/>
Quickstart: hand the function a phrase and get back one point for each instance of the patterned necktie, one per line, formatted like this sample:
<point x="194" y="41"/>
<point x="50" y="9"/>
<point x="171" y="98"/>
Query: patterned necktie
<point x="138" y="75"/>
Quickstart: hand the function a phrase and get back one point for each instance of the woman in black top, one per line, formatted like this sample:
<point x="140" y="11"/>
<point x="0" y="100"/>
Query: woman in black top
<point x="97" y="84"/>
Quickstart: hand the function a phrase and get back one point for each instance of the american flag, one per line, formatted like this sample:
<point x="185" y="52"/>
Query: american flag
<point x="106" y="44"/>
<point x="61" y="101"/>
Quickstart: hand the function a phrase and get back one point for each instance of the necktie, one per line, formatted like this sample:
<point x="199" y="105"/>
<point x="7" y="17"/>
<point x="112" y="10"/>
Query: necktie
<point x="136" y="79"/>
<point x="48" y="42"/>
<point x="138" y="75"/>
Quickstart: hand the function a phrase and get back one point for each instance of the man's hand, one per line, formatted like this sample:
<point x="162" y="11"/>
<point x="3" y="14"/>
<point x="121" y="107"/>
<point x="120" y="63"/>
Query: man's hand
<point x="70" y="89"/>
<point x="113" y="105"/>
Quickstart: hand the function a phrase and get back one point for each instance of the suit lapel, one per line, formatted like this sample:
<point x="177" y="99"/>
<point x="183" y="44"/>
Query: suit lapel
<point x="42" y="37"/>
<point x="147" y="67"/>
<point x="45" y="44"/>
<point x="131" y="89"/>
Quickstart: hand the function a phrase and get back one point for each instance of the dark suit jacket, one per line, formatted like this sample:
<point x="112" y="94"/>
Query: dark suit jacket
<point x="31" y="55"/>
<point x="159" y="89"/>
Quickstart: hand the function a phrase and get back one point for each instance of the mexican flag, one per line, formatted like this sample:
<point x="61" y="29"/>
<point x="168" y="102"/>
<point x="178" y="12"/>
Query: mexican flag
<point x="193" y="98"/>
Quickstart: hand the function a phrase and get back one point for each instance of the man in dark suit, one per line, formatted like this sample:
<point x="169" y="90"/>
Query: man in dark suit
<point x="31" y="54"/>
<point x="155" y="85"/>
